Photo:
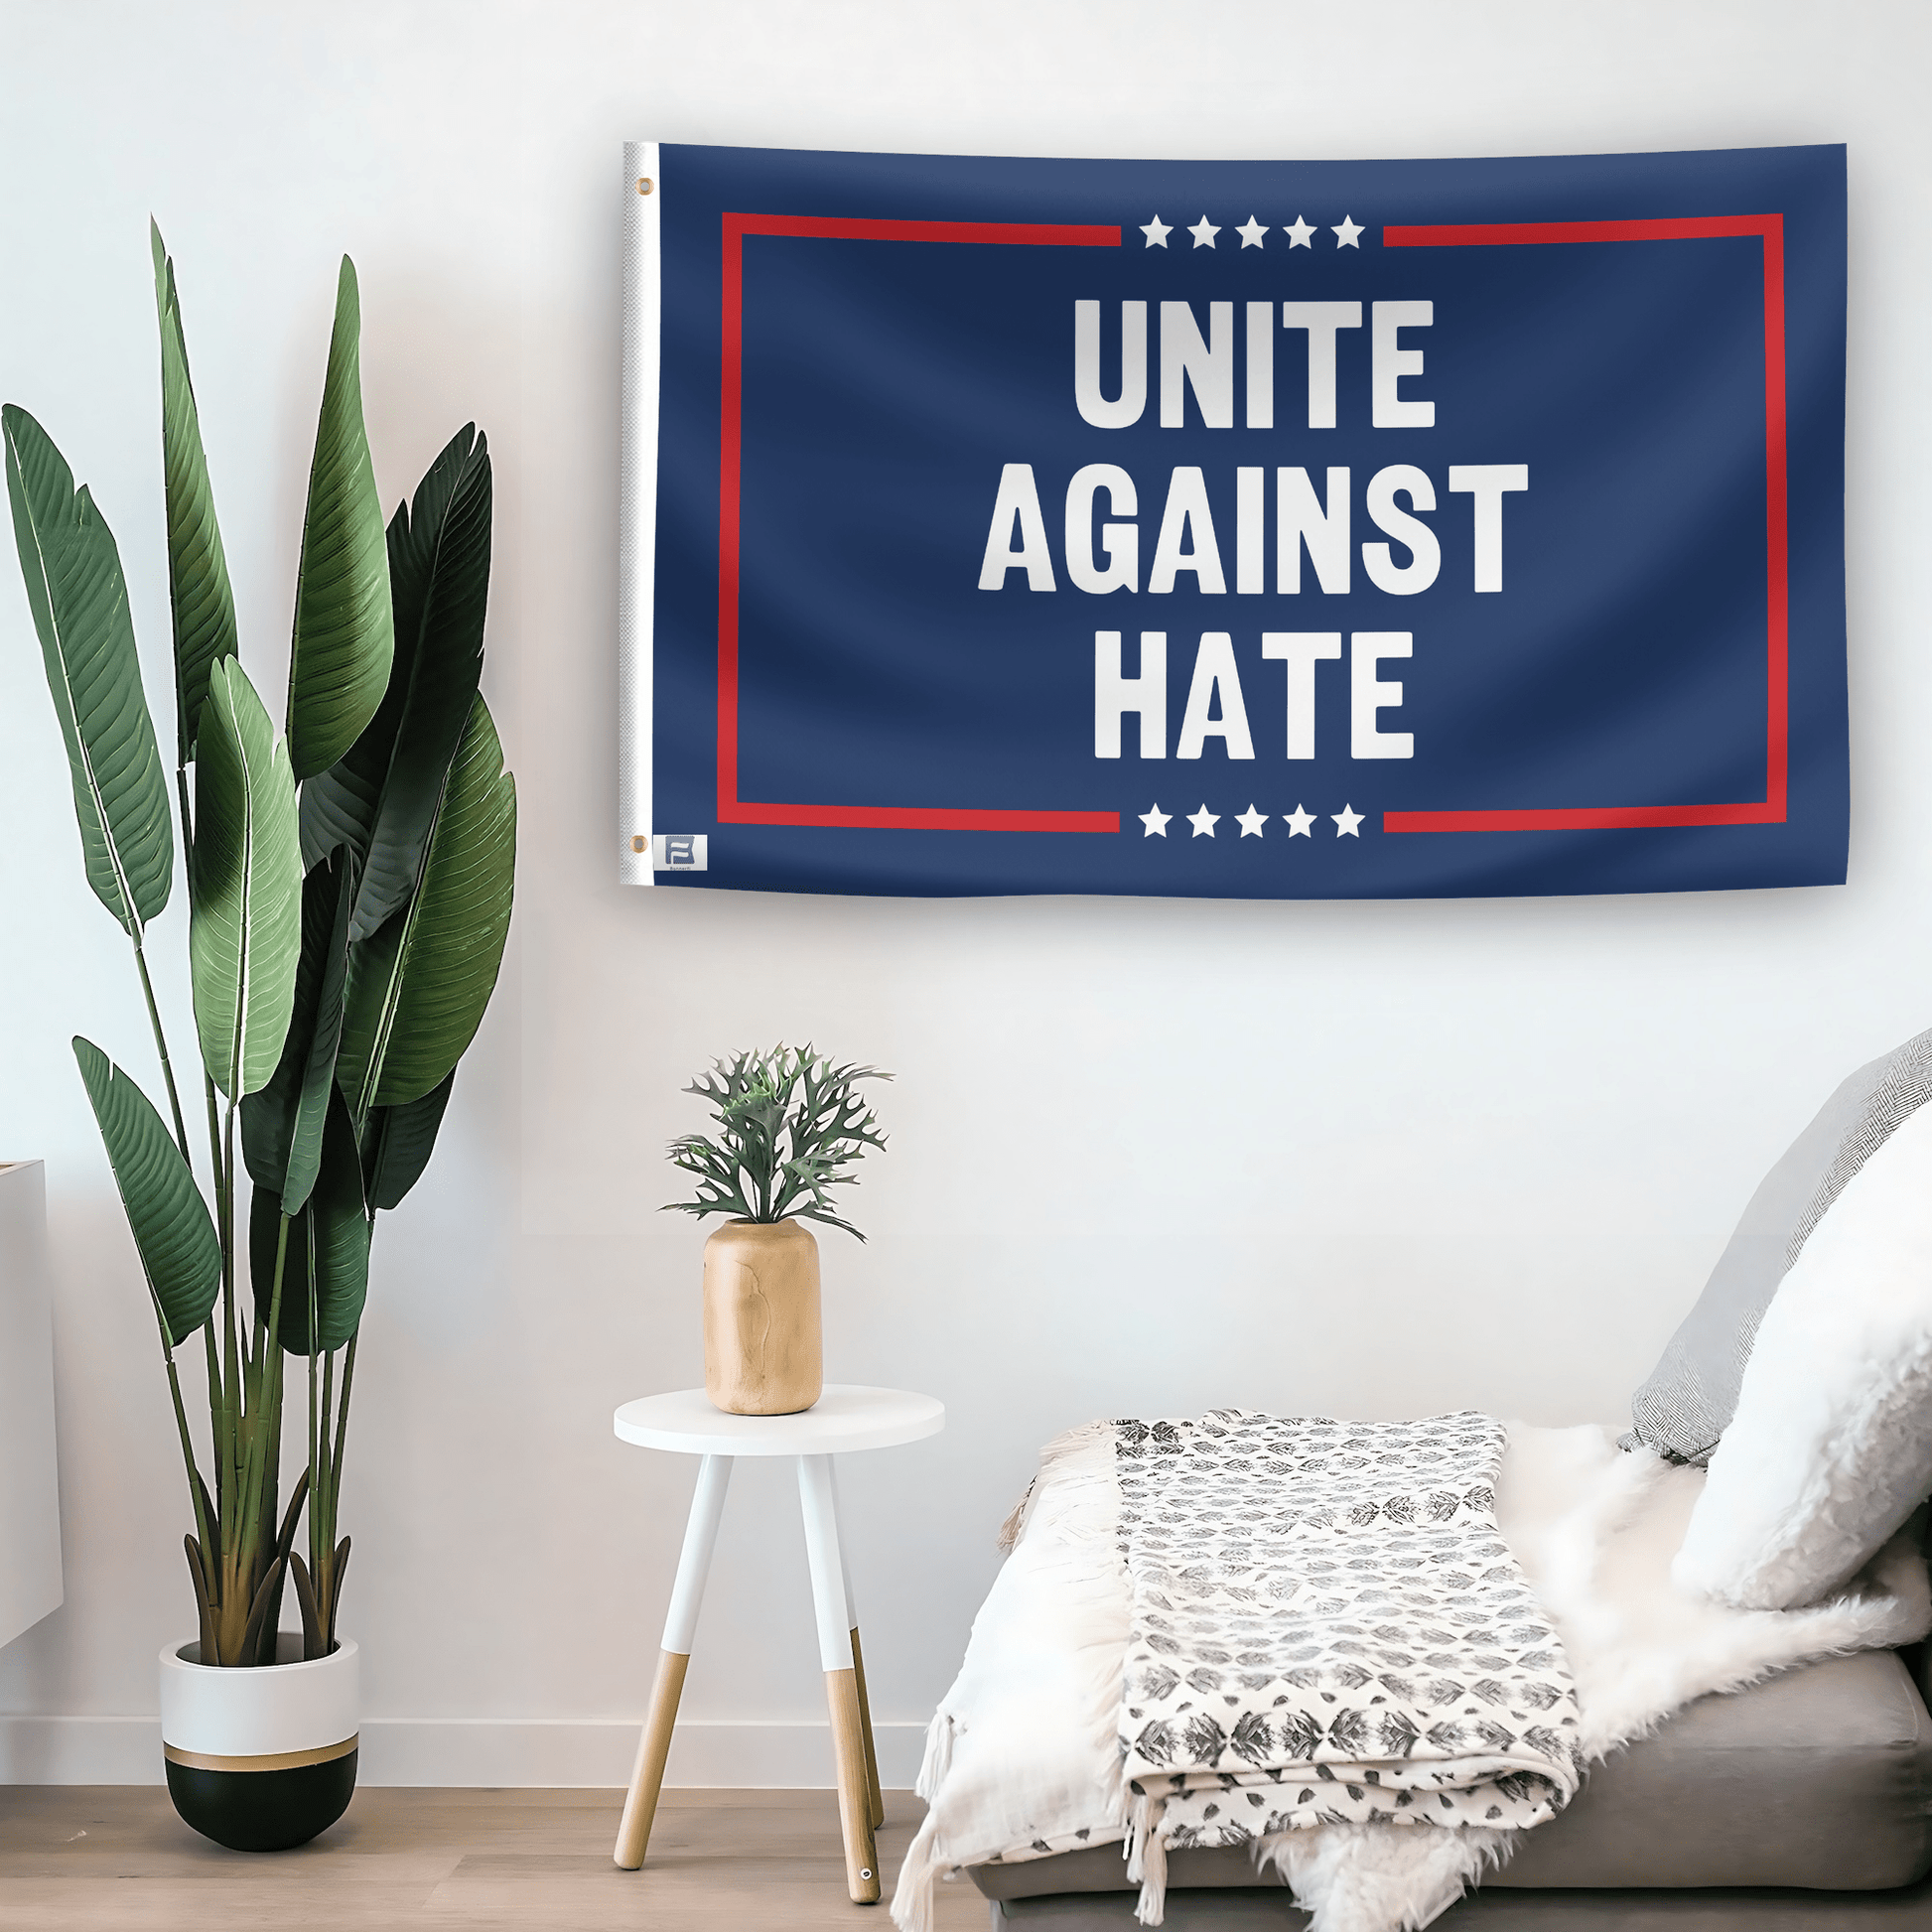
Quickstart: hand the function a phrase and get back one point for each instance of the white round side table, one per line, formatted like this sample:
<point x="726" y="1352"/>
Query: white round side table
<point x="843" y="1419"/>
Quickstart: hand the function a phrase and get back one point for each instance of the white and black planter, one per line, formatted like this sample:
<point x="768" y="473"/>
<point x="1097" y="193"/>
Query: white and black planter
<point x="260" y="1759"/>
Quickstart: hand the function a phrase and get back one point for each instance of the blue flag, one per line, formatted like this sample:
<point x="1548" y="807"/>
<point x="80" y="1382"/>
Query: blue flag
<point x="1233" y="529"/>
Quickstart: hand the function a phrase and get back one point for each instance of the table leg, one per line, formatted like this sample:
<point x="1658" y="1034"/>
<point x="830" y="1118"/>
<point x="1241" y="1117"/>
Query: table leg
<point x="820" y="1512"/>
<point x="681" y="1624"/>
<point x="859" y="1675"/>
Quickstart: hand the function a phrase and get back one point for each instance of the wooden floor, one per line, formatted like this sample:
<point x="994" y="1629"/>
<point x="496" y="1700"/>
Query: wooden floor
<point x="74" y="1857"/>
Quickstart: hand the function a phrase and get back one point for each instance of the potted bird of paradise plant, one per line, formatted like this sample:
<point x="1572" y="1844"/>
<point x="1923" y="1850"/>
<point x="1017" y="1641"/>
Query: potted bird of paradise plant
<point x="349" y="886"/>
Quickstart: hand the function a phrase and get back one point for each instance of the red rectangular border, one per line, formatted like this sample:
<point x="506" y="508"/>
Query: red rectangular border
<point x="732" y="810"/>
<point x="1769" y="230"/>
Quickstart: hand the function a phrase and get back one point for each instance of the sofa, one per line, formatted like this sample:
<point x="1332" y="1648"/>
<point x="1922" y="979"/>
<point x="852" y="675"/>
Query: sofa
<point x="1802" y="1804"/>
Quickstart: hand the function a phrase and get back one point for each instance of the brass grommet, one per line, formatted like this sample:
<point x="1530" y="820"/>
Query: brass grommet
<point x="639" y="843"/>
<point x="643" y="184"/>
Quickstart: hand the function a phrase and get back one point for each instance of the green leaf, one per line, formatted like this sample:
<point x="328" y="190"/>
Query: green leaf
<point x="397" y="1142"/>
<point x="180" y="1253"/>
<point x="382" y="795"/>
<point x="344" y="635"/>
<point x="417" y="990"/>
<point x="338" y="805"/>
<point x="328" y="1247"/>
<point x="198" y="569"/>
<point x="78" y="598"/>
<point x="244" y="935"/>
<point x="281" y="1124"/>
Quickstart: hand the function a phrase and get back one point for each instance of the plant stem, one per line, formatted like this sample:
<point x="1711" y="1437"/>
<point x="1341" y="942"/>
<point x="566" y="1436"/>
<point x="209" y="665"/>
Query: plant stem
<point x="315" y="1434"/>
<point x="265" y="1414"/>
<point x="269" y="1472"/>
<point x="213" y="1144"/>
<point x="331" y="1603"/>
<point x="161" y="1048"/>
<point x="203" y="1530"/>
<point x="230" y="1346"/>
<point x="342" y="1427"/>
<point x="187" y="1450"/>
<point x="205" y="1533"/>
<point x="322" y="1506"/>
<point x="214" y="1408"/>
<point x="321" y="1522"/>
<point x="231" y="1391"/>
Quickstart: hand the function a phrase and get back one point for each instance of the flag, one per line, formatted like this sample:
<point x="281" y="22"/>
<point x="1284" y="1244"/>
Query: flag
<point x="1233" y="529"/>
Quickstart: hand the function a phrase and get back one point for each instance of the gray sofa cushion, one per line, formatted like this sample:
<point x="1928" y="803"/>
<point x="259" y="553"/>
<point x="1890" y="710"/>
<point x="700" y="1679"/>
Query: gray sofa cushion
<point x="1691" y="1393"/>
<point x="1820" y="1778"/>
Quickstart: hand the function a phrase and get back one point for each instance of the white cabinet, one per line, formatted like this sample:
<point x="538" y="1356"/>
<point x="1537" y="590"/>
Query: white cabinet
<point x="30" y="1501"/>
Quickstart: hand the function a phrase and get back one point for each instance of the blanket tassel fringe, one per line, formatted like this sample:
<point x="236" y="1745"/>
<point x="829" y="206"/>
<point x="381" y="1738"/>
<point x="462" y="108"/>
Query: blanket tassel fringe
<point x="1147" y="1858"/>
<point x="937" y="1763"/>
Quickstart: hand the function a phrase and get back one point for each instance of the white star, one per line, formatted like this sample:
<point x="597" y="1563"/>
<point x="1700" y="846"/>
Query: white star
<point x="1251" y="232"/>
<point x="1299" y="237"/>
<point x="1345" y="236"/>
<point x="1156" y="822"/>
<point x="1156" y="232"/>
<point x="1203" y="822"/>
<point x="1251" y="822"/>
<point x="1204" y="232"/>
<point x="1346" y="822"/>
<point x="1299" y="823"/>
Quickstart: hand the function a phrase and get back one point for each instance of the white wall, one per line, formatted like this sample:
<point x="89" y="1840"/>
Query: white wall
<point x="1146" y="1157"/>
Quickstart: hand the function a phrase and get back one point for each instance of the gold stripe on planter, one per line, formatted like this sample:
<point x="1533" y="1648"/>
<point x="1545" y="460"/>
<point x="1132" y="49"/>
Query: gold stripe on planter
<point x="270" y="1762"/>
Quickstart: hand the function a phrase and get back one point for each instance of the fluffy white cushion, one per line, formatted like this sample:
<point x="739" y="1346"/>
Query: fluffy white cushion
<point x="1831" y="1448"/>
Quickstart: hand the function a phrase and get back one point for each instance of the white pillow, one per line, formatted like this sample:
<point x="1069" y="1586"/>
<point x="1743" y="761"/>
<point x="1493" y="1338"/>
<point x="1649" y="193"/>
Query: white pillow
<point x="1831" y="1448"/>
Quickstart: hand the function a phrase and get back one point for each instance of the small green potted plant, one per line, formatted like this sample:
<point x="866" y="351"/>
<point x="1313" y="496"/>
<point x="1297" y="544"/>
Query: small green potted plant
<point x="790" y="1126"/>
<point x="349" y="887"/>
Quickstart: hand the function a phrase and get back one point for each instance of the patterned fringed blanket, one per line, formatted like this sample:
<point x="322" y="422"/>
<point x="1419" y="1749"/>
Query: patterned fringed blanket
<point x="1326" y="1627"/>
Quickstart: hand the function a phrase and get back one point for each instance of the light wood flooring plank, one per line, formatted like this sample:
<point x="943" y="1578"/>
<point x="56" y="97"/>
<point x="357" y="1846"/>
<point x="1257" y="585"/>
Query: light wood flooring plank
<point x="91" y="1858"/>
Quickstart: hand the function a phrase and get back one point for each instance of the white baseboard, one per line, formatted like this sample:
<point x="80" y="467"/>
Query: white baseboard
<point x="481" y="1752"/>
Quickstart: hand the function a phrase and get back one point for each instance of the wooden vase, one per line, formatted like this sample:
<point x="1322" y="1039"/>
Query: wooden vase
<point x="764" y="1349"/>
